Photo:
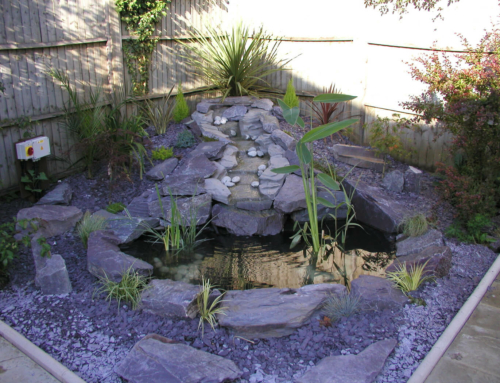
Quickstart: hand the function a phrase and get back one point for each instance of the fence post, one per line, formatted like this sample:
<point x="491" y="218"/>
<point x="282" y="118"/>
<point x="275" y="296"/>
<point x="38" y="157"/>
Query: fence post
<point x="114" y="48"/>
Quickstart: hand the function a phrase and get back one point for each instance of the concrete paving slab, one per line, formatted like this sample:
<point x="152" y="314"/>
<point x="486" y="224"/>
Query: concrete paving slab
<point x="450" y="371"/>
<point x="492" y="296"/>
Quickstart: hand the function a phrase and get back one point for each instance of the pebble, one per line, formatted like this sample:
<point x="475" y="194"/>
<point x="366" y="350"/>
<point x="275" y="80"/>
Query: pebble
<point x="255" y="184"/>
<point x="235" y="179"/>
<point x="252" y="154"/>
<point x="260" y="153"/>
<point x="232" y="132"/>
<point x="262" y="167"/>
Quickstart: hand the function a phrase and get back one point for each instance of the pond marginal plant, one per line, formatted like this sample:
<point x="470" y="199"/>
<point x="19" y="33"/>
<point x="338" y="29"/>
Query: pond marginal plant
<point x="207" y="307"/>
<point x="88" y="224"/>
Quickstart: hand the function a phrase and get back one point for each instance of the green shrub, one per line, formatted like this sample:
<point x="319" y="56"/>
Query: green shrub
<point x="88" y="224"/>
<point x="343" y="306"/>
<point x="181" y="108"/>
<point x="115" y="208"/>
<point x="129" y="289"/>
<point x="471" y="231"/>
<point x="415" y="225"/>
<point x="291" y="98"/>
<point x="185" y="139"/>
<point x="162" y="153"/>
<point x="8" y="245"/>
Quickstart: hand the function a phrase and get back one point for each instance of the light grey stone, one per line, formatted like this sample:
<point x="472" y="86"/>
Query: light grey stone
<point x="220" y="171"/>
<point x="269" y="123"/>
<point x="414" y="245"/>
<point x="273" y="312"/>
<point x="213" y="150"/>
<point x="236" y="179"/>
<point x="235" y="112"/>
<point x="361" y="368"/>
<point x="255" y="184"/>
<point x="55" y="219"/>
<point x="270" y="182"/>
<point x="126" y="229"/>
<point x="252" y="154"/>
<point x="159" y="172"/>
<point x="155" y="359"/>
<point x="203" y="118"/>
<point x="61" y="195"/>
<point x="217" y="190"/>
<point x="196" y="166"/>
<point x="211" y="131"/>
<point x="263" y="103"/>
<point x="250" y="123"/>
<point x="260" y="153"/>
<point x="291" y="196"/>
<point x="229" y="158"/>
<point x="377" y="293"/>
<point x="284" y="140"/>
<point x="394" y="181"/>
<point x="412" y="180"/>
<point x="264" y="141"/>
<point x="275" y="150"/>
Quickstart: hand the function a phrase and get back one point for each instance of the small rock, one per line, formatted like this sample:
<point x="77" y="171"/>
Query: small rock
<point x="225" y="180"/>
<point x="230" y="184"/>
<point x="223" y="120"/>
<point x="232" y="133"/>
<point x="252" y="154"/>
<point x="255" y="184"/>
<point x="260" y="153"/>
<point x="262" y="167"/>
<point x="235" y="179"/>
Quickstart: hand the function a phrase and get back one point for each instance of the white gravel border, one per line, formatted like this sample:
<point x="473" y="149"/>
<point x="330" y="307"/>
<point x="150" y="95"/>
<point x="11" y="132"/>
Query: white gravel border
<point x="448" y="336"/>
<point x="39" y="356"/>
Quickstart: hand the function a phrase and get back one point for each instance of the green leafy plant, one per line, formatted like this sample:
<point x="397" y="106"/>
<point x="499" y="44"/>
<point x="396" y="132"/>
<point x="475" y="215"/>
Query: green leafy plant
<point x="409" y="278"/>
<point x="162" y="153"/>
<point x="44" y="247"/>
<point x="88" y="224"/>
<point x="8" y="245"/>
<point x="415" y="225"/>
<point x="185" y="139"/>
<point x="325" y="110"/>
<point x="291" y="99"/>
<point x="115" y="208"/>
<point x="235" y="64"/>
<point x="159" y="113"/>
<point x="32" y="180"/>
<point x="128" y="289"/>
<point x="341" y="306"/>
<point x="208" y="310"/>
<point x="181" y="108"/>
<point x="471" y="231"/>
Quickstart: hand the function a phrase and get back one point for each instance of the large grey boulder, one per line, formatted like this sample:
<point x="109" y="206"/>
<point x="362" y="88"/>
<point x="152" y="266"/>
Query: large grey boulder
<point x="264" y="141"/>
<point x="169" y="298"/>
<point x="199" y="206"/>
<point x="273" y="312"/>
<point x="54" y="219"/>
<point x="245" y="222"/>
<point x="155" y="359"/>
<point x="51" y="274"/>
<point x="270" y="182"/>
<point x="104" y="258"/>
<point x="412" y="180"/>
<point x="217" y="190"/>
<point x="377" y="293"/>
<point x="235" y="112"/>
<point x="212" y="131"/>
<point x="212" y="150"/>
<point x="203" y="118"/>
<point x="414" y="245"/>
<point x="250" y="123"/>
<point x="375" y="207"/>
<point x="394" y="181"/>
<point x="125" y="228"/>
<point x="158" y="172"/>
<point x="291" y="197"/>
<point x="229" y="159"/>
<point x="438" y="260"/>
<point x="284" y="140"/>
<point x="139" y="206"/>
<point x="196" y="165"/>
<point x="182" y="185"/>
<point x="361" y="368"/>
<point x="61" y="195"/>
<point x="269" y="123"/>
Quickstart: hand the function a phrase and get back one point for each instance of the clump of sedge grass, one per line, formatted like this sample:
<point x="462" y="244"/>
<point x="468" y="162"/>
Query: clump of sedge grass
<point x="88" y="224"/>
<point x="409" y="279"/>
<point x="207" y="310"/>
<point x="129" y="289"/>
<point x="415" y="225"/>
<point x="339" y="306"/>
<point x="115" y="208"/>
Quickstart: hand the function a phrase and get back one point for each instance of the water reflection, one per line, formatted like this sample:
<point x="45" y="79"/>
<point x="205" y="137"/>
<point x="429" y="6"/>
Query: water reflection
<point x="233" y="262"/>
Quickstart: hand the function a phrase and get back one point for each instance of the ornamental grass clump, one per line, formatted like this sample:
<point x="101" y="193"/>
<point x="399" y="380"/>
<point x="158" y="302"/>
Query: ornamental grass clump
<point x="414" y="226"/>
<point x="409" y="278"/>
<point x="208" y="310"/>
<point x="88" y="224"/>
<point x="159" y="113"/>
<point x="341" y="306"/>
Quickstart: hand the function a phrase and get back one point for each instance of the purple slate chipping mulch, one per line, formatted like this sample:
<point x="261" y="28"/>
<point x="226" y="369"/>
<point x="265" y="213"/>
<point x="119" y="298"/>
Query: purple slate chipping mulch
<point x="90" y="336"/>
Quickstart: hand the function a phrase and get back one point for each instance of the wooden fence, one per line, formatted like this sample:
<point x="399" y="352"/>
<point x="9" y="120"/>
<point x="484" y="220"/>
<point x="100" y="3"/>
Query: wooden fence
<point x="84" y="39"/>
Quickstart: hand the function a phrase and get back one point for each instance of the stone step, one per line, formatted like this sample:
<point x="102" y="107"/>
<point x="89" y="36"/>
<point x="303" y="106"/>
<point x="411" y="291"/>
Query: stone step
<point x="249" y="165"/>
<point x="357" y="156"/>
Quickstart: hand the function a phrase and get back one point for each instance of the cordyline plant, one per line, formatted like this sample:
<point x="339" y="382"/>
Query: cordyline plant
<point x="325" y="110"/>
<point x="306" y="163"/>
<point x="463" y="98"/>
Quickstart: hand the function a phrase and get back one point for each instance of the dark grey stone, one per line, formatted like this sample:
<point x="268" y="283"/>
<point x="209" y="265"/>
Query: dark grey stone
<point x="155" y="359"/>
<point x="412" y="180"/>
<point x="125" y="228"/>
<point x="104" y="258"/>
<point x="245" y="222"/>
<point x="235" y="112"/>
<point x="159" y="172"/>
<point x="273" y="312"/>
<point x="438" y="260"/>
<point x="139" y="205"/>
<point x="55" y="219"/>
<point x="180" y="184"/>
<point x="255" y="205"/>
<point x="264" y="141"/>
<point x="277" y="112"/>
<point x="291" y="196"/>
<point x="284" y="140"/>
<point x="217" y="190"/>
<point x="394" y="181"/>
<point x="61" y="195"/>
<point x="414" y="245"/>
<point x="200" y="204"/>
<point x="361" y="368"/>
<point x="196" y="166"/>
<point x="212" y="150"/>
<point x="269" y="123"/>
<point x="377" y="293"/>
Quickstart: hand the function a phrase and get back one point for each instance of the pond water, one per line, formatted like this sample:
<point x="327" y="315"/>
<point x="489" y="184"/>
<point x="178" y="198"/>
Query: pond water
<point x="236" y="263"/>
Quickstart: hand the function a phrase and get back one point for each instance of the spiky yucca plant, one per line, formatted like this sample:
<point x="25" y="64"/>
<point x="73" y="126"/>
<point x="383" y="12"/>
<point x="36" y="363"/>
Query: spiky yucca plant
<point x="233" y="63"/>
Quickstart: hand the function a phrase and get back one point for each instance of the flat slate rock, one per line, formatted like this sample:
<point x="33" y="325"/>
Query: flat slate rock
<point x="212" y="150"/>
<point x="413" y="245"/>
<point x="126" y="229"/>
<point x="199" y="206"/>
<point x="246" y="222"/>
<point x="182" y="185"/>
<point x="377" y="293"/>
<point x="358" y="156"/>
<point x="155" y="359"/>
<point x="55" y="219"/>
<point x="291" y="197"/>
<point x="104" y="258"/>
<point x="196" y="166"/>
<point x="273" y="312"/>
<point x="61" y="195"/>
<point x="284" y="140"/>
<point x="361" y="368"/>
<point x="162" y="170"/>
<point x="438" y="260"/>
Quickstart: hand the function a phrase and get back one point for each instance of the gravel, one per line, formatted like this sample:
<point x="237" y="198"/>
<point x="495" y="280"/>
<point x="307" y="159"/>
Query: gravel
<point x="90" y="335"/>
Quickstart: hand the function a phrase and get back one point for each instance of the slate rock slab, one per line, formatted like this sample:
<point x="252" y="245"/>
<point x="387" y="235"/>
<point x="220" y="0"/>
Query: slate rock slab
<point x="182" y="185"/>
<point x="104" y="258"/>
<point x="284" y="140"/>
<point x="126" y="229"/>
<point x="212" y="150"/>
<point x="269" y="123"/>
<point x="155" y="359"/>
<point x="264" y="141"/>
<point x="200" y="205"/>
<point x="235" y="112"/>
<point x="203" y="118"/>
<point x="438" y="258"/>
<point x="61" y="195"/>
<point x="394" y="181"/>
<point x="414" y="245"/>
<point x="250" y="123"/>
<point x="196" y="165"/>
<point x="361" y="368"/>
<point x="263" y="103"/>
<point x="412" y="180"/>
<point x="273" y="312"/>
<point x="377" y="293"/>
<point x="217" y="190"/>
<point x="229" y="158"/>
<point x="55" y="219"/>
<point x="212" y="131"/>
<point x="246" y="222"/>
<point x="291" y="196"/>
<point x="158" y="172"/>
<point x="139" y="205"/>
